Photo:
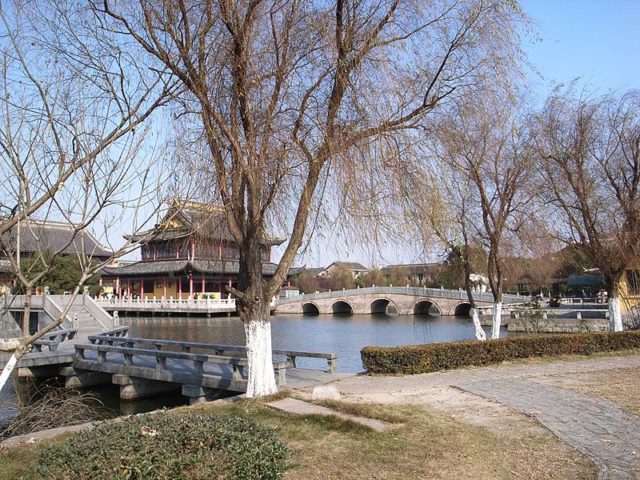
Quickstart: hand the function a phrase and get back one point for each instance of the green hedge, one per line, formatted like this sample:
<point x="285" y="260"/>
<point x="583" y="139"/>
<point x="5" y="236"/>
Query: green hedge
<point x="168" y="446"/>
<point x="443" y="356"/>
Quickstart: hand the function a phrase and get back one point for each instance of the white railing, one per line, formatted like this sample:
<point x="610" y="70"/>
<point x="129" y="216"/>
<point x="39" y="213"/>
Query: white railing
<point x="97" y="312"/>
<point x="415" y="291"/>
<point x="55" y="311"/>
<point x="201" y="304"/>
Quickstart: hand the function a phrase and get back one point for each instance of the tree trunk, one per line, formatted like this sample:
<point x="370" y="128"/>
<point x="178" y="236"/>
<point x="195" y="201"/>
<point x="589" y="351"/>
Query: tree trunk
<point x="26" y="312"/>
<point x="257" y="330"/>
<point x="615" y="310"/>
<point x="11" y="365"/>
<point x="480" y="335"/>
<point x="497" y="320"/>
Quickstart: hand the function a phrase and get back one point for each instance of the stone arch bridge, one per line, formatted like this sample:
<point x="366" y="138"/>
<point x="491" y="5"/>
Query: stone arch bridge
<point x="391" y="300"/>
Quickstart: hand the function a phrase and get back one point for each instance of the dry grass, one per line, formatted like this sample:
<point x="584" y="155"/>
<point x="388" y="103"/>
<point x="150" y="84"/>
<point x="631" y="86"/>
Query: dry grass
<point x="621" y="386"/>
<point x="424" y="444"/>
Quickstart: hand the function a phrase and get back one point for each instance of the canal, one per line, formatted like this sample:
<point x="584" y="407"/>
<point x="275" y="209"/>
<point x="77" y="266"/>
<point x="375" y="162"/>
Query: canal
<point x="342" y="335"/>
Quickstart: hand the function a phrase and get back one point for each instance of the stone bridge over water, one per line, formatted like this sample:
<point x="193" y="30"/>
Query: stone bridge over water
<point x="390" y="300"/>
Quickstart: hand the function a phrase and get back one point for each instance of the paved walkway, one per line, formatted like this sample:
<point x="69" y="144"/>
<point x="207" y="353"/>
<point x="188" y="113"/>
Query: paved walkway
<point x="595" y="426"/>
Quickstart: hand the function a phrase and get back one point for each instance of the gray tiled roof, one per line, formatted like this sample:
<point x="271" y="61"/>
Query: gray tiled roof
<point x="40" y="236"/>
<point x="349" y="265"/>
<point x="175" y="266"/>
<point x="198" y="219"/>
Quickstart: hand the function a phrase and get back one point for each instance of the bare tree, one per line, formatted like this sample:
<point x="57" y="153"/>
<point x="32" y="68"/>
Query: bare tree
<point x="438" y="200"/>
<point x="70" y="142"/>
<point x="588" y="152"/>
<point x="284" y="93"/>
<point x="485" y="143"/>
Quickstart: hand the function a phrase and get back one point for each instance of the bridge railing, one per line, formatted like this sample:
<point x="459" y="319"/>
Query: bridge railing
<point x="198" y="360"/>
<point x="415" y="291"/>
<point x="217" y="349"/>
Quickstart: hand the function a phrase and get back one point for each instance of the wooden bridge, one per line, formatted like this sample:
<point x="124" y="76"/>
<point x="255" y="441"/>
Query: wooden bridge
<point x="392" y="300"/>
<point x="144" y="366"/>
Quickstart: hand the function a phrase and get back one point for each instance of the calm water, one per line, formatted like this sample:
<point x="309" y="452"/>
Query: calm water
<point x="344" y="336"/>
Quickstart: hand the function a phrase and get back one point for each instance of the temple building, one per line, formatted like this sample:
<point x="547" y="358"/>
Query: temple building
<point x="35" y="237"/>
<point x="189" y="254"/>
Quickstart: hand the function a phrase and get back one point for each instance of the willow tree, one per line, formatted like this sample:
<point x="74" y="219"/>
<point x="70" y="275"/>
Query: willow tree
<point x="485" y="143"/>
<point x="588" y="152"/>
<point x="278" y="92"/>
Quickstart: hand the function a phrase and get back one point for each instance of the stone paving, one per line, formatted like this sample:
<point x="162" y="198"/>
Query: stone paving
<point x="298" y="407"/>
<point x="595" y="426"/>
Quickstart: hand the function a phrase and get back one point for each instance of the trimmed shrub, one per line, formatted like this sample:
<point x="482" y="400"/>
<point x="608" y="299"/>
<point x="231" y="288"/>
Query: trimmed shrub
<point x="444" y="356"/>
<point x="168" y="446"/>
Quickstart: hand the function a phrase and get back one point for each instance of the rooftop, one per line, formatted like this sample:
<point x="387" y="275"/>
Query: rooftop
<point x="57" y="237"/>
<point x="185" y="218"/>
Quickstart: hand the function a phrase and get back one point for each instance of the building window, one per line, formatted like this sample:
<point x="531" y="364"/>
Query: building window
<point x="633" y="281"/>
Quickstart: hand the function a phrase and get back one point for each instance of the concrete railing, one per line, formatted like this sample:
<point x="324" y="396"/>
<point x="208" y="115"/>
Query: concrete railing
<point x="415" y="291"/>
<point x="97" y="312"/>
<point x="199" y="304"/>
<point x="170" y="304"/>
<point x="217" y="349"/>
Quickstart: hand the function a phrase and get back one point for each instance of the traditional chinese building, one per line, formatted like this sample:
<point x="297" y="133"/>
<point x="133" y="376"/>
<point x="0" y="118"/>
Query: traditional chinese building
<point x="189" y="254"/>
<point x="41" y="237"/>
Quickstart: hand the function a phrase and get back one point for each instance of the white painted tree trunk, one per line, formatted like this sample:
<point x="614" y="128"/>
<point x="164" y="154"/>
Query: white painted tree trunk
<point x="497" y="320"/>
<point x="7" y="370"/>
<point x="480" y="335"/>
<point x="261" y="380"/>
<point x="615" y="315"/>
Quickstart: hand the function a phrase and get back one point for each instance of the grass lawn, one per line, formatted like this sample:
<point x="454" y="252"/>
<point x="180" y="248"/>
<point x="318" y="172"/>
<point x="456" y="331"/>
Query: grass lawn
<point x="423" y="444"/>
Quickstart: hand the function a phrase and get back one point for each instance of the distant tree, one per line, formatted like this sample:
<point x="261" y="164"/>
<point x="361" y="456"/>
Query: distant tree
<point x="60" y="273"/>
<point x="588" y="153"/>
<point x="341" y="278"/>
<point x="307" y="283"/>
<point x="485" y="142"/>
<point x="372" y="277"/>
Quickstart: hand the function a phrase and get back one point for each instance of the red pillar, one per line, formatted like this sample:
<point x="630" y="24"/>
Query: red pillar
<point x="203" y="284"/>
<point x="179" y="280"/>
<point x="128" y="288"/>
<point x="117" y="293"/>
<point x="190" y="285"/>
<point x="164" y="288"/>
<point x="141" y="288"/>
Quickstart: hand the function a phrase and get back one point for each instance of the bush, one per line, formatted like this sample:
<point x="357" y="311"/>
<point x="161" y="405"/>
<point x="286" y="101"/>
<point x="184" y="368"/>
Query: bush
<point x="168" y="446"/>
<point x="443" y="356"/>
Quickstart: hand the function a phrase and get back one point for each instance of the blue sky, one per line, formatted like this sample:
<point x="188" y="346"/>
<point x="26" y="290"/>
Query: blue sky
<point x="598" y="41"/>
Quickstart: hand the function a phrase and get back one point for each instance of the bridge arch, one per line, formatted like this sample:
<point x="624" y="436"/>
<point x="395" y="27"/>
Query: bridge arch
<point x="427" y="307"/>
<point x="342" y="307"/>
<point x="462" y="309"/>
<point x="384" y="306"/>
<point x="310" y="308"/>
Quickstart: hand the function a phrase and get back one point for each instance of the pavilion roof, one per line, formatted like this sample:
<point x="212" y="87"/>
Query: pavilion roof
<point x="185" y="218"/>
